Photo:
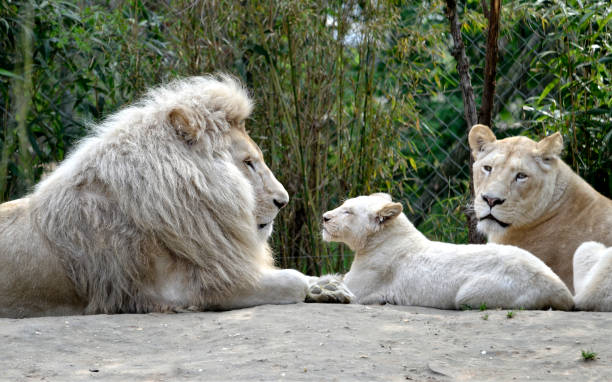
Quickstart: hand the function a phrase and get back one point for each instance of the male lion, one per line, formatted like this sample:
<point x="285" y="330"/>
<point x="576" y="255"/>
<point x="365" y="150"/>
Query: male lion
<point x="526" y="196"/>
<point x="395" y="263"/>
<point x="167" y="206"/>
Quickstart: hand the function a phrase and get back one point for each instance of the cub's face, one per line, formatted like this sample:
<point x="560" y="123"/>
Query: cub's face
<point x="270" y="195"/>
<point x="514" y="179"/>
<point x="356" y="219"/>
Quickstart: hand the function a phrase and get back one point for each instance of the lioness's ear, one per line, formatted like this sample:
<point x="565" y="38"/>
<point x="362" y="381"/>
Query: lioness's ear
<point x="550" y="146"/>
<point x="388" y="212"/>
<point x="184" y="124"/>
<point x="479" y="136"/>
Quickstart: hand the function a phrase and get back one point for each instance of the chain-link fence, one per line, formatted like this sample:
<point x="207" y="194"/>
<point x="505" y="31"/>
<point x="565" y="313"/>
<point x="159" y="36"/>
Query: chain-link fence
<point x="525" y="77"/>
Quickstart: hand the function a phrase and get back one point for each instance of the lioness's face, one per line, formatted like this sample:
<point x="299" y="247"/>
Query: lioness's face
<point x="270" y="195"/>
<point x="357" y="218"/>
<point x="514" y="179"/>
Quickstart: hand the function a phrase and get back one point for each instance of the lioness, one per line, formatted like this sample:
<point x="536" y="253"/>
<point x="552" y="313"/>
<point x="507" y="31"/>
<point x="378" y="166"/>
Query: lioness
<point x="167" y="206"/>
<point x="526" y="196"/>
<point x="394" y="263"/>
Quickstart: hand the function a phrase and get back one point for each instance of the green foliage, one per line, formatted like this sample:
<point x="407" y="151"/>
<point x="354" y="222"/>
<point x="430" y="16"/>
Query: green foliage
<point x="87" y="61"/>
<point x="576" y="99"/>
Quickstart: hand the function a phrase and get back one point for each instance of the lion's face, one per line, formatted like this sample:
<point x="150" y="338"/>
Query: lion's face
<point x="270" y="195"/>
<point x="357" y="218"/>
<point x="514" y="179"/>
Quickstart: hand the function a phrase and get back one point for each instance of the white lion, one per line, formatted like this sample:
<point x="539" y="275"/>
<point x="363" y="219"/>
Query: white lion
<point x="166" y="206"/>
<point x="593" y="277"/>
<point x="526" y="196"/>
<point x="394" y="263"/>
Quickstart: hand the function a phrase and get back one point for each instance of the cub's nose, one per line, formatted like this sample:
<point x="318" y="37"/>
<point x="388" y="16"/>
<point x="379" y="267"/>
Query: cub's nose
<point x="280" y="203"/>
<point x="493" y="201"/>
<point x="326" y="217"/>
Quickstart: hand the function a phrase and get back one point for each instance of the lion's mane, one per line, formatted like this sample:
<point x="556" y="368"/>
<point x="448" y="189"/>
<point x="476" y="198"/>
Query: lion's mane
<point x="155" y="179"/>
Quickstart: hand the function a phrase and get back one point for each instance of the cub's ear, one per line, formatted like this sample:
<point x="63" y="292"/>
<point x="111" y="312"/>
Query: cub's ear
<point x="550" y="146"/>
<point x="185" y="124"/>
<point x="388" y="212"/>
<point x="480" y="135"/>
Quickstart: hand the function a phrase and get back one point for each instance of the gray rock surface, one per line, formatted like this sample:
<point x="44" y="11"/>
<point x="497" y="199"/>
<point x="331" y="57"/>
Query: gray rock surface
<point x="314" y="342"/>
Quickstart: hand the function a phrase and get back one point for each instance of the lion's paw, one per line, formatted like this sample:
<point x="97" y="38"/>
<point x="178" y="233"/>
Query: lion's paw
<point x="169" y="309"/>
<point x="329" y="289"/>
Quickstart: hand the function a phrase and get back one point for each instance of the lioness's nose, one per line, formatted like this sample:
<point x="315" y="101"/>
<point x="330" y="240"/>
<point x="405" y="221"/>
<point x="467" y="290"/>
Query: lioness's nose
<point x="493" y="201"/>
<point x="326" y="217"/>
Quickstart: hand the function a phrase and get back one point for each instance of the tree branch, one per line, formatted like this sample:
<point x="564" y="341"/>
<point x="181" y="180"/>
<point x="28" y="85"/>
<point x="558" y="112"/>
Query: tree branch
<point x="463" y="64"/>
<point x="488" y="91"/>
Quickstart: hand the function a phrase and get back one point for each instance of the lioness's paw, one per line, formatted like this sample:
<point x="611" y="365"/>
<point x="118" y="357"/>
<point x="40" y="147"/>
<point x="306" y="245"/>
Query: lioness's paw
<point x="329" y="289"/>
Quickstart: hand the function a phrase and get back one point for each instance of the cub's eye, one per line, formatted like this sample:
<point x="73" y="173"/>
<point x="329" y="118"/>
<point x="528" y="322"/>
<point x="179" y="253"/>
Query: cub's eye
<point x="521" y="176"/>
<point x="348" y="212"/>
<point x="249" y="162"/>
<point x="487" y="168"/>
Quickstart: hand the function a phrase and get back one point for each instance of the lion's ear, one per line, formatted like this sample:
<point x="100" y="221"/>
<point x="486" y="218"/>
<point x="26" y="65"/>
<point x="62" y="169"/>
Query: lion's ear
<point x="388" y="212"/>
<point x="480" y="135"/>
<point x="550" y="147"/>
<point x="184" y="124"/>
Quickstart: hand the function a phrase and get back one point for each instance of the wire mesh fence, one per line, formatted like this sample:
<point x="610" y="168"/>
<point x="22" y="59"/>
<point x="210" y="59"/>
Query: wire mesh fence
<point x="440" y="192"/>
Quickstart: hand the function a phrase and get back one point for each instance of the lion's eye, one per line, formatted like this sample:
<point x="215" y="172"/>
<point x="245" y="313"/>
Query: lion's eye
<point x="348" y="212"/>
<point x="487" y="169"/>
<point x="521" y="176"/>
<point x="249" y="163"/>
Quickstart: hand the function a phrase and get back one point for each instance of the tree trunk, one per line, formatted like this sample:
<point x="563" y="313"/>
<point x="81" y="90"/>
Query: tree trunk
<point x="488" y="90"/>
<point x="469" y="104"/>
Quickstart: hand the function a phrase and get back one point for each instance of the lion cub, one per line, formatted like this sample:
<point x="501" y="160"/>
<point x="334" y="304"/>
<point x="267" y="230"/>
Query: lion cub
<point x="395" y="263"/>
<point x="592" y="280"/>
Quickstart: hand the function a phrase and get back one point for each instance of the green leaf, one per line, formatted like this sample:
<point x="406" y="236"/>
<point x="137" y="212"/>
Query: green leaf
<point x="412" y="163"/>
<point x="547" y="89"/>
<point x="6" y="73"/>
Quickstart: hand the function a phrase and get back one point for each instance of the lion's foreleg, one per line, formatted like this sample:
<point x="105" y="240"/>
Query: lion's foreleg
<point x="276" y="286"/>
<point x="288" y="286"/>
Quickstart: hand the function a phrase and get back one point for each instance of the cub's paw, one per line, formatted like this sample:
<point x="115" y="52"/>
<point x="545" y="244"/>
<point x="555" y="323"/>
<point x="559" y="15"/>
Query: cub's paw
<point x="329" y="289"/>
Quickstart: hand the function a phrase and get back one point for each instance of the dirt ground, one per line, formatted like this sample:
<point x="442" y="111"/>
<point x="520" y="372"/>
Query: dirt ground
<point x="314" y="342"/>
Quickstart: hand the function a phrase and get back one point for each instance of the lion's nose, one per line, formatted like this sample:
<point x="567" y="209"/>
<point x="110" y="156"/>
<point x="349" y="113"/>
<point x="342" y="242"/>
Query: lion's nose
<point x="326" y="218"/>
<point x="493" y="201"/>
<point x="280" y="203"/>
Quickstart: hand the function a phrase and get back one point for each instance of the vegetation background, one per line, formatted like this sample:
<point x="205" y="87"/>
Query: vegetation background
<point x="352" y="96"/>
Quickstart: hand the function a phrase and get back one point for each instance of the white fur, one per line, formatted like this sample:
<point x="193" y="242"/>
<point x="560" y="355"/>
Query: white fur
<point x="593" y="277"/>
<point x="168" y="204"/>
<point x="394" y="263"/>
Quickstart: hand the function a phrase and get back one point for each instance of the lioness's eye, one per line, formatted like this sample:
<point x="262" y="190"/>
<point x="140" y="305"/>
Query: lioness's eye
<point x="348" y="212"/>
<point x="521" y="176"/>
<point x="487" y="168"/>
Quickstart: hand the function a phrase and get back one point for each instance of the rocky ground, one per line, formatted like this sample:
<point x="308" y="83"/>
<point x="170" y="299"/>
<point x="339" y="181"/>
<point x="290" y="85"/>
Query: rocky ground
<point x="315" y="342"/>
